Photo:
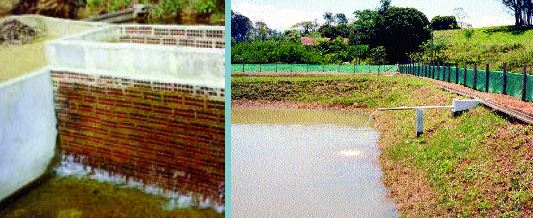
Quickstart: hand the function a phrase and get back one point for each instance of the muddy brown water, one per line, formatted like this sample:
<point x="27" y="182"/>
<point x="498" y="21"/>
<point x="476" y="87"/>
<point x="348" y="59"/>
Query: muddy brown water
<point x="305" y="163"/>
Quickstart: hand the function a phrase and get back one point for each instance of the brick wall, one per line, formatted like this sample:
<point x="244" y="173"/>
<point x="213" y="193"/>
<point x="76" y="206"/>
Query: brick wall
<point x="199" y="38"/>
<point x="167" y="134"/>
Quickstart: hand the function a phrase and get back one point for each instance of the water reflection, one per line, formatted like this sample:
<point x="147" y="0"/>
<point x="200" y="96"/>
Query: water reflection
<point x="310" y="170"/>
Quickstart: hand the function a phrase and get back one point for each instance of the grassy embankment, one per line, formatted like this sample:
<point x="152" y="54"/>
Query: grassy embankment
<point x="493" y="45"/>
<point x="71" y="197"/>
<point x="478" y="163"/>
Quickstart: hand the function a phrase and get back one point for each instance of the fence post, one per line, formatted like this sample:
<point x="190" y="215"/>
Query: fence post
<point x="524" y="83"/>
<point x="504" y="79"/>
<point x="487" y="78"/>
<point x="464" y="75"/>
<point x="456" y="73"/>
<point x="475" y="76"/>
<point x="276" y="67"/>
<point x="418" y="69"/>
<point x="243" y="68"/>
<point x="259" y="67"/>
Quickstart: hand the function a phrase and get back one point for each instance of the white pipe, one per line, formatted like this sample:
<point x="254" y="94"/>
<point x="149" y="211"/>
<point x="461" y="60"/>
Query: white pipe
<point x="416" y="108"/>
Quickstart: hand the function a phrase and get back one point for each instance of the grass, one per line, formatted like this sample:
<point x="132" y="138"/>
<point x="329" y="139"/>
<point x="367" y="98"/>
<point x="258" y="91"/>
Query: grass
<point x="72" y="197"/>
<point x="476" y="164"/>
<point x="494" y="45"/>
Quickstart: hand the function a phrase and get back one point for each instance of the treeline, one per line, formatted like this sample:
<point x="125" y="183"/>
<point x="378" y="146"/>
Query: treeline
<point x="384" y="35"/>
<point x="292" y="52"/>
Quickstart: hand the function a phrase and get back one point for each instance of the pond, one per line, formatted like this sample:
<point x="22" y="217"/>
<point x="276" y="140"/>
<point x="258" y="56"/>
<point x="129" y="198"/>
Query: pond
<point x="305" y="163"/>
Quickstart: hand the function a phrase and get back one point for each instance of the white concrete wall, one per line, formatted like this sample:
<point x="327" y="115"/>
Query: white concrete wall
<point x="85" y="53"/>
<point x="27" y="130"/>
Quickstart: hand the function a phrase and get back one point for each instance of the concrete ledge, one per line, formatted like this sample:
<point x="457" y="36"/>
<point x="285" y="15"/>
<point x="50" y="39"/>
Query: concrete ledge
<point x="28" y="131"/>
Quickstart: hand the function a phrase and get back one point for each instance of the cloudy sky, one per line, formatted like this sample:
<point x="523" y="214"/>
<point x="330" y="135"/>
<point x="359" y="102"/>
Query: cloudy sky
<point x="281" y="14"/>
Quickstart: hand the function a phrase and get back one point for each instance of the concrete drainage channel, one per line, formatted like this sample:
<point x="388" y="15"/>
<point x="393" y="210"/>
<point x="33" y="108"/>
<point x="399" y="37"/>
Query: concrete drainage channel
<point x="134" y="104"/>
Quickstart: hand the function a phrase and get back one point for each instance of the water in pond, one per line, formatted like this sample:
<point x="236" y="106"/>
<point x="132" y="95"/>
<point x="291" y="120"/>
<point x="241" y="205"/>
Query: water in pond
<point x="299" y="168"/>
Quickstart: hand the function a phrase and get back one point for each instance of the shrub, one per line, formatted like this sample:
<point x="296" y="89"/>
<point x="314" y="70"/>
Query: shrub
<point x="205" y="6"/>
<point x="116" y="5"/>
<point x="167" y="8"/>
<point x="94" y="3"/>
<point x="468" y="33"/>
<point x="444" y="23"/>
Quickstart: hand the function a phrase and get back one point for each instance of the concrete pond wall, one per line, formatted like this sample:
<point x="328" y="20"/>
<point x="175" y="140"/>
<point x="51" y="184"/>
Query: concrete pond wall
<point x="150" y="112"/>
<point x="27" y="130"/>
<point x="141" y="103"/>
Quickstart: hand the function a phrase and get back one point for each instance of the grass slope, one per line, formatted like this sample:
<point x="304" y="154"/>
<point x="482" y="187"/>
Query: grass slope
<point x="477" y="164"/>
<point x="494" y="45"/>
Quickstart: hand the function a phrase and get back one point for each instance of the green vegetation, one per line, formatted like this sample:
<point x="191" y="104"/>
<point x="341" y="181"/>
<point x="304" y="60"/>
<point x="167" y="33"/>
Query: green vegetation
<point x="72" y="197"/>
<point x="385" y="35"/>
<point x="167" y="8"/>
<point x="476" y="164"/>
<point x="205" y="7"/>
<point x="494" y="45"/>
<point x="444" y="23"/>
<point x="288" y="51"/>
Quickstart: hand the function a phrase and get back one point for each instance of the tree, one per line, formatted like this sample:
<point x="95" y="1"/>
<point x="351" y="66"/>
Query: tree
<point x="341" y="19"/>
<point x="522" y="10"/>
<point x="378" y="55"/>
<point x="240" y="26"/>
<point x="460" y="14"/>
<point x="262" y="31"/>
<point x="364" y="28"/>
<point x="305" y="27"/>
<point x="385" y="5"/>
<point x="328" y="17"/>
<point x="444" y="23"/>
<point x="401" y="31"/>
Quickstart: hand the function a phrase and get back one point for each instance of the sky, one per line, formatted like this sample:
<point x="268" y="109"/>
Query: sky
<point x="282" y="14"/>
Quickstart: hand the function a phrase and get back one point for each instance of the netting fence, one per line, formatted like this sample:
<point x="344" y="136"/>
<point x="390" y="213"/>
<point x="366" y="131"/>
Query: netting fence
<point x="339" y="68"/>
<point x="519" y="85"/>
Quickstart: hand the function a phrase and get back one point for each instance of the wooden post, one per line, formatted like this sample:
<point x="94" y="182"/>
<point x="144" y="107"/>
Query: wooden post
<point x="504" y="79"/>
<point x="456" y="73"/>
<point x="464" y="75"/>
<point x="524" y="83"/>
<point x="243" y="68"/>
<point x="475" y="76"/>
<point x="487" y="77"/>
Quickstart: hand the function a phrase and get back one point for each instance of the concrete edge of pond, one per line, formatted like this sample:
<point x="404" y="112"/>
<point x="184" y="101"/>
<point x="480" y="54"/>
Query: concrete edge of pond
<point x="29" y="133"/>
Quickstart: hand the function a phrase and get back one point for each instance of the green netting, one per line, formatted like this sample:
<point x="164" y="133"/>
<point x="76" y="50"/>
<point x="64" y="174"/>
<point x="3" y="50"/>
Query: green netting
<point x="496" y="82"/>
<point x="470" y="78"/>
<point x="345" y="68"/>
<point x="453" y="77"/>
<point x="529" y="90"/>
<point x="481" y="80"/>
<point x="495" y="79"/>
<point x="514" y="84"/>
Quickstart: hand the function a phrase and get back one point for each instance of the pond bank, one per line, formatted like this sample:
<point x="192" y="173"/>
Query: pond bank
<point x="479" y="163"/>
